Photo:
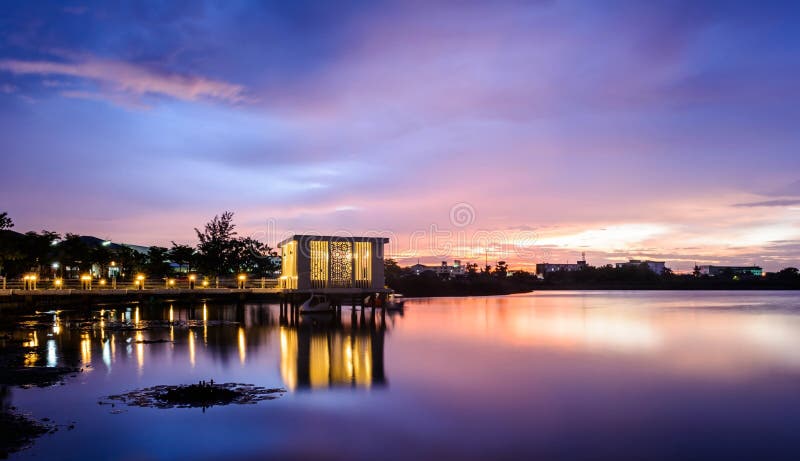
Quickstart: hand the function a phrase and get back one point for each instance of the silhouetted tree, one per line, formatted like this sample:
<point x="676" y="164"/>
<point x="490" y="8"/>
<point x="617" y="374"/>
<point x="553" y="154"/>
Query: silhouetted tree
<point x="158" y="262"/>
<point x="217" y="247"/>
<point x="182" y="255"/>
<point x="790" y="275"/>
<point x="5" y="221"/>
<point x="38" y="249"/>
<point x="501" y="270"/>
<point x="11" y="253"/>
<point x="130" y="262"/>
<point x="101" y="256"/>
<point x="74" y="253"/>
<point x="253" y="257"/>
<point x="391" y="271"/>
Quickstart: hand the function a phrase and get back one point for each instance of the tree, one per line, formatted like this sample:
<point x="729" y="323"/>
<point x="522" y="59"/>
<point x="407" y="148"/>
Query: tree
<point x="5" y="221"/>
<point x="501" y="270"/>
<point x="217" y="247"/>
<point x="74" y="253"/>
<point x="101" y="256"/>
<point x="391" y="271"/>
<point x="789" y="274"/>
<point x="130" y="261"/>
<point x="38" y="249"/>
<point x="11" y="253"/>
<point x="253" y="257"/>
<point x="158" y="262"/>
<point x="182" y="255"/>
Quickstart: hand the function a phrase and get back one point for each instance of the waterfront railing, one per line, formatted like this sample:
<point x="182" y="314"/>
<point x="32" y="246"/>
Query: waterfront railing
<point x="199" y="283"/>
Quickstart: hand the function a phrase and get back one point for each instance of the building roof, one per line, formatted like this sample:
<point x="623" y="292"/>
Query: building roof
<point x="732" y="267"/>
<point x="333" y="238"/>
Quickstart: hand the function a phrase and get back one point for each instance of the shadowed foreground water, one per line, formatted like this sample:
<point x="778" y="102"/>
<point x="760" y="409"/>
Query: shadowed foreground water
<point x="558" y="375"/>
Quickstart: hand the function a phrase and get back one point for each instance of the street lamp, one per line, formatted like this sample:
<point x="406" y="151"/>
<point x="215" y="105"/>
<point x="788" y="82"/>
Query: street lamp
<point x="30" y="282"/>
<point x="140" y="282"/>
<point x="242" y="280"/>
<point x="114" y="275"/>
<point x="57" y="283"/>
<point x="192" y="278"/>
<point x="86" y="282"/>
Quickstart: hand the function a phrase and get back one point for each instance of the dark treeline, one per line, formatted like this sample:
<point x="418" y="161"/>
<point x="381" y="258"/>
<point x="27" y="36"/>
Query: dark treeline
<point x="486" y="282"/>
<point x="220" y="252"/>
<point x="499" y="280"/>
<point x="642" y="278"/>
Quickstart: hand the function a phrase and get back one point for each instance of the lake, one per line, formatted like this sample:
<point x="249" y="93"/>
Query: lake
<point x="548" y="375"/>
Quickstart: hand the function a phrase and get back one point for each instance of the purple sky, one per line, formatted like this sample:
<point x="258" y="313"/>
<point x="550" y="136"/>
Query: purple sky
<point x="663" y="129"/>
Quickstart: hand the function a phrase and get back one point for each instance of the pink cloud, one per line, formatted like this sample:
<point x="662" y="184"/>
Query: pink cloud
<point x="132" y="79"/>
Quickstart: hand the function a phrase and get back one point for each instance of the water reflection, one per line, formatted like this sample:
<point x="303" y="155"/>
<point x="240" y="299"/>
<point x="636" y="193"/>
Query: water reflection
<point x="333" y="351"/>
<point x="345" y="350"/>
<point x="520" y="377"/>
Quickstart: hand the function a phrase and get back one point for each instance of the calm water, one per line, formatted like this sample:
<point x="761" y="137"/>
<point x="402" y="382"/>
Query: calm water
<point x="559" y="375"/>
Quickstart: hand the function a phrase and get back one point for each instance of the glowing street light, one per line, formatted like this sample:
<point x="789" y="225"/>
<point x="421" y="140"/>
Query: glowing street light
<point x="205" y="283"/>
<point x="192" y="278"/>
<point x="242" y="280"/>
<point x="140" y="282"/>
<point x="58" y="283"/>
<point x="29" y="282"/>
<point x="86" y="282"/>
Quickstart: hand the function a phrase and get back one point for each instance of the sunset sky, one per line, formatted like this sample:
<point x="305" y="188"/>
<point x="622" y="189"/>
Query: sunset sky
<point x="535" y="130"/>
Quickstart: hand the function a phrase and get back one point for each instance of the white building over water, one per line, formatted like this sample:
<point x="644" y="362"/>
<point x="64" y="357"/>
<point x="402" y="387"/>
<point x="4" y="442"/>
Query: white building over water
<point x="315" y="262"/>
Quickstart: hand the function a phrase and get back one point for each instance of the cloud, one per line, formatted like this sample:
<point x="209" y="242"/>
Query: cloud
<point x="120" y="100"/>
<point x="8" y="88"/>
<point x="132" y="79"/>
<point x="790" y="190"/>
<point x="787" y="202"/>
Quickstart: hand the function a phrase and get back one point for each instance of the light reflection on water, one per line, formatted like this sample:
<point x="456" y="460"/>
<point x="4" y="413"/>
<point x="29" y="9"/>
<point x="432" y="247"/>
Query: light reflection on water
<point x="630" y="375"/>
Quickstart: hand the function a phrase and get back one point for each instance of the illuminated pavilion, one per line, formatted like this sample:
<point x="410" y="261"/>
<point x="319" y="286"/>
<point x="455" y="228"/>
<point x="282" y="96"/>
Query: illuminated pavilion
<point x="330" y="264"/>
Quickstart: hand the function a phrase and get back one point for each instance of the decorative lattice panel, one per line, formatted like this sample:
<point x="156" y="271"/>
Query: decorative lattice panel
<point x="341" y="264"/>
<point x="363" y="264"/>
<point x="319" y="263"/>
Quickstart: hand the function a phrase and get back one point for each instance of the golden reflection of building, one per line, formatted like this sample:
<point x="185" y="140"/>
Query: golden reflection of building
<point x="320" y="353"/>
<point x="242" y="342"/>
<point x="86" y="349"/>
<point x="191" y="349"/>
<point x="140" y="351"/>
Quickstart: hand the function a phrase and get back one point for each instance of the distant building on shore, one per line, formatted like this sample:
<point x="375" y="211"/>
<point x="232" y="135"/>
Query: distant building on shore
<point x="443" y="270"/>
<point x="655" y="266"/>
<point x="741" y="271"/>
<point x="547" y="268"/>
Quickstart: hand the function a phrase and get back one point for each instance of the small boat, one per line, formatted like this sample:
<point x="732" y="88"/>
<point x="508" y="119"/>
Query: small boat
<point x="315" y="303"/>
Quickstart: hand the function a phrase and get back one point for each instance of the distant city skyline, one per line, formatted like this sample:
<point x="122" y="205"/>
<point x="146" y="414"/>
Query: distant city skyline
<point x="638" y="130"/>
